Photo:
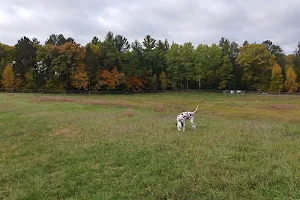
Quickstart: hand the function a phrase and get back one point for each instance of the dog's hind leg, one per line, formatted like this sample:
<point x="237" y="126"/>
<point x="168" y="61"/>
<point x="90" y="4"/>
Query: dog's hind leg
<point x="192" y="122"/>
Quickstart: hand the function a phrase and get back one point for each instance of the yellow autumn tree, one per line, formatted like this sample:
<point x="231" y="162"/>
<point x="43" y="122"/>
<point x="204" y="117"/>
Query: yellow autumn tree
<point x="163" y="80"/>
<point x="291" y="84"/>
<point x="276" y="84"/>
<point x="80" y="78"/>
<point x="8" y="77"/>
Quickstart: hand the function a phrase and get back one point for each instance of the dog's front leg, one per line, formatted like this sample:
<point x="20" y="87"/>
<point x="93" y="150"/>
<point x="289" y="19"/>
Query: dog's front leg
<point x="183" y="128"/>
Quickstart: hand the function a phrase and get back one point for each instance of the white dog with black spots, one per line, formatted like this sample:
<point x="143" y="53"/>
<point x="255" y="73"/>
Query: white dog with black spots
<point x="182" y="117"/>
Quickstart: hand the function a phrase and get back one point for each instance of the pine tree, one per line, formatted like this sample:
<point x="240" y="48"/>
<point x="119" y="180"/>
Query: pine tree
<point x="153" y="82"/>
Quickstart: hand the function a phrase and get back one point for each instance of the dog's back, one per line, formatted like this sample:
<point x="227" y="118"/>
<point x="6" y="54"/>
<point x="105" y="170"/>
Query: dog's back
<point x="184" y="115"/>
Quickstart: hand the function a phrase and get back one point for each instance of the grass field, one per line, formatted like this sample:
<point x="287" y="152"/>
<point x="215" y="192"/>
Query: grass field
<point x="128" y="147"/>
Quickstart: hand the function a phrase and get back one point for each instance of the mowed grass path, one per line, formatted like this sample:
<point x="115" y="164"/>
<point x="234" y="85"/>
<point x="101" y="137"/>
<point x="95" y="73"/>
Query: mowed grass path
<point x="128" y="147"/>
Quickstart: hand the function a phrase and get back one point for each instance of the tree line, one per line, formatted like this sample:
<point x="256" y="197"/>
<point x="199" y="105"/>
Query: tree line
<point x="116" y="64"/>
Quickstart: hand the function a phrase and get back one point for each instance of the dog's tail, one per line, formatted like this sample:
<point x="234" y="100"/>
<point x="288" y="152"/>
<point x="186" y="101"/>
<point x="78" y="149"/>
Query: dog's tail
<point x="195" y="110"/>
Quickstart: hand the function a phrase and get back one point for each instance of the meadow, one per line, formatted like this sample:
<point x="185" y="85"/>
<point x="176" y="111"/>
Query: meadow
<point x="128" y="147"/>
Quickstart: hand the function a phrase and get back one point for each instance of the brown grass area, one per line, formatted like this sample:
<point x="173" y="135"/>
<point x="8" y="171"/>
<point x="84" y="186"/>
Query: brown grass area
<point x="294" y="121"/>
<point x="159" y="108"/>
<point x="6" y="105"/>
<point x="86" y="102"/>
<point x="105" y="103"/>
<point x="225" y="108"/>
<point x="281" y="107"/>
<point x="52" y="99"/>
<point x="129" y="113"/>
<point x="68" y="132"/>
<point x="94" y="166"/>
<point x="256" y="100"/>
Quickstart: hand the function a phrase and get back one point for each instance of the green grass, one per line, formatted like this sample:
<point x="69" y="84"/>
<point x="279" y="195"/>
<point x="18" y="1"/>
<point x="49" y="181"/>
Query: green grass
<point x="128" y="147"/>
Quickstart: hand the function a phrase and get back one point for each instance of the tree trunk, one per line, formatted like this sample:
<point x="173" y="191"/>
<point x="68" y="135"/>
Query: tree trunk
<point x="187" y="84"/>
<point x="89" y="86"/>
<point x="199" y="82"/>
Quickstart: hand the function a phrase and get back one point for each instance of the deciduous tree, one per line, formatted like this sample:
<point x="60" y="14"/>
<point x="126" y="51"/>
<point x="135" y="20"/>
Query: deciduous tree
<point x="7" y="55"/>
<point x="80" y="78"/>
<point x="110" y="80"/>
<point x="257" y="64"/>
<point x="276" y="84"/>
<point x="224" y="73"/>
<point x="8" y="77"/>
<point x="30" y="79"/>
<point x="291" y="84"/>
<point x="163" y="80"/>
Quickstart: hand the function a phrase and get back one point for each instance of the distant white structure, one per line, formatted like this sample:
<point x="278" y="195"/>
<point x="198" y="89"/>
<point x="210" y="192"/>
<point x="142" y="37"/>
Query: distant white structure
<point x="240" y="92"/>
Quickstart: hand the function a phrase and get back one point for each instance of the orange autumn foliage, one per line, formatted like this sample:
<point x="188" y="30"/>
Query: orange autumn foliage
<point x="106" y="80"/>
<point x="115" y="75"/>
<point x="135" y="83"/>
<point x="80" y="78"/>
<point x="110" y="80"/>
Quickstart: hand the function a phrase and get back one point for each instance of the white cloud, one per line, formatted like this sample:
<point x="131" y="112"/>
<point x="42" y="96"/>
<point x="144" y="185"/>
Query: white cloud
<point x="4" y="19"/>
<point x="180" y="21"/>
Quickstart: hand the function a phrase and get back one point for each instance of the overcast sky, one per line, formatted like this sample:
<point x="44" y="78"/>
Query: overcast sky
<point x="197" y="21"/>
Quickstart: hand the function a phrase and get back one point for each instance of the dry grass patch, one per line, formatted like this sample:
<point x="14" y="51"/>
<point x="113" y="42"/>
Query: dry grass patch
<point x="159" y="108"/>
<point x="94" y="166"/>
<point x="129" y="113"/>
<point x="294" y="121"/>
<point x="105" y="103"/>
<point x="68" y="132"/>
<point x="52" y="99"/>
<point x="85" y="102"/>
<point x="281" y="107"/>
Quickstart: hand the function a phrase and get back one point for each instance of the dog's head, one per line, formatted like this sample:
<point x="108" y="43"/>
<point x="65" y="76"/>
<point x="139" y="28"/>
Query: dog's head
<point x="179" y="125"/>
